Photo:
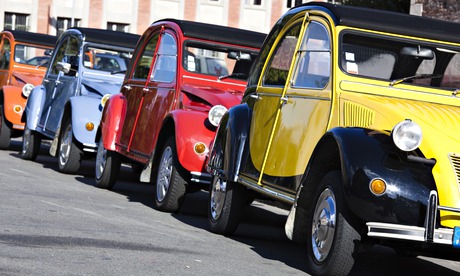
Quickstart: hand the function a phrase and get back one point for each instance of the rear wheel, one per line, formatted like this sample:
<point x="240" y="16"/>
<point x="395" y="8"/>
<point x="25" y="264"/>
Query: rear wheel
<point x="332" y="240"/>
<point x="170" y="187"/>
<point x="5" y="131"/>
<point x="107" y="167"/>
<point x="31" y="142"/>
<point x="70" y="155"/>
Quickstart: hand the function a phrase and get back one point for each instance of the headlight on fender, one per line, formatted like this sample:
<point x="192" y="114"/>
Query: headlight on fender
<point x="407" y="135"/>
<point x="26" y="89"/>
<point x="216" y="113"/>
<point x="104" y="99"/>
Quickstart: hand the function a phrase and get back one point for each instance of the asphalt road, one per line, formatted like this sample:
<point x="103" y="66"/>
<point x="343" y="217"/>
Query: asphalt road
<point x="57" y="224"/>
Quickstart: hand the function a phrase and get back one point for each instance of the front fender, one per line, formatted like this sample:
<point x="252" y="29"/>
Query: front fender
<point x="230" y="142"/>
<point x="85" y="110"/>
<point x="192" y="127"/>
<point x="367" y="155"/>
<point x="12" y="97"/>
<point x="112" y="120"/>
<point x="34" y="106"/>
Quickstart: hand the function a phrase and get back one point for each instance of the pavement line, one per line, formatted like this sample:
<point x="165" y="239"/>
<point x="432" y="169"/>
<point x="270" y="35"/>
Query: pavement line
<point x="72" y="208"/>
<point x="19" y="171"/>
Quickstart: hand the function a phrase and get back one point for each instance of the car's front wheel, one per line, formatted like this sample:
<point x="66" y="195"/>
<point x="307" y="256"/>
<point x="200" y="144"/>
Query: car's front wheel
<point x="31" y="142"/>
<point x="70" y="155"/>
<point x="332" y="240"/>
<point x="170" y="186"/>
<point x="107" y="167"/>
<point x="5" y="131"/>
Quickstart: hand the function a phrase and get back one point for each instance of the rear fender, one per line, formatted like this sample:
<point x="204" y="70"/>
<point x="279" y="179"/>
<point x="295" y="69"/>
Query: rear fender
<point x="85" y="111"/>
<point x="112" y="119"/>
<point x="34" y="107"/>
<point x="230" y="142"/>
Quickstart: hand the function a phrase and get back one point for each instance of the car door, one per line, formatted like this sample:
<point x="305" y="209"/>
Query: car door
<point x="305" y="109"/>
<point x="134" y="87"/>
<point x="158" y="99"/>
<point x="5" y="54"/>
<point x="59" y="85"/>
<point x="267" y="105"/>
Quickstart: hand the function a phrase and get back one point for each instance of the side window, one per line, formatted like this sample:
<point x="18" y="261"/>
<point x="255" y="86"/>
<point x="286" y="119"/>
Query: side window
<point x="67" y="53"/>
<point x="451" y="76"/>
<point x="142" y="68"/>
<point x="278" y="69"/>
<point x="314" y="58"/>
<point x="5" y="54"/>
<point x="166" y="61"/>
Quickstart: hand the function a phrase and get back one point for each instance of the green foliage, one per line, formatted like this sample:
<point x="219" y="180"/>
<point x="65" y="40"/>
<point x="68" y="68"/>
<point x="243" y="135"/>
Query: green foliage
<point x="389" y="5"/>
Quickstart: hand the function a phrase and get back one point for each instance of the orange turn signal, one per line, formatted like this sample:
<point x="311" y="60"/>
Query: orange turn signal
<point x="378" y="186"/>
<point x="89" y="126"/>
<point x="199" y="148"/>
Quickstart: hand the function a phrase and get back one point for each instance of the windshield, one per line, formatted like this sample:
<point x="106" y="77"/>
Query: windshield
<point x="32" y="55"/>
<point x="217" y="60"/>
<point x="401" y="60"/>
<point x="106" y="60"/>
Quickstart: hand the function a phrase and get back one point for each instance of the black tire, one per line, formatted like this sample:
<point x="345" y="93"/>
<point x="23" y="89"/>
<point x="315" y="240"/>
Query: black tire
<point x="69" y="155"/>
<point x="5" y="131"/>
<point x="226" y="202"/>
<point x="331" y="250"/>
<point x="107" y="167"/>
<point x="170" y="186"/>
<point x="31" y="142"/>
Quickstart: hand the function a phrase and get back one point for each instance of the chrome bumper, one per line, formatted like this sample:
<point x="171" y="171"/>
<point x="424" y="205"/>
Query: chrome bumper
<point x="201" y="177"/>
<point x="429" y="233"/>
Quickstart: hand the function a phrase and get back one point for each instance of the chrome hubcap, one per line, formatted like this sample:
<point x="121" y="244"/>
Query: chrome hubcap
<point x="323" y="226"/>
<point x="101" y="160"/>
<point x="219" y="188"/>
<point x="64" y="149"/>
<point x="164" y="174"/>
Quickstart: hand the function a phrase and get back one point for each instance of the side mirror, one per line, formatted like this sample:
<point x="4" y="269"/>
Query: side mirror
<point x="239" y="56"/>
<point x="417" y="52"/>
<point x="63" y="67"/>
<point x="48" y="52"/>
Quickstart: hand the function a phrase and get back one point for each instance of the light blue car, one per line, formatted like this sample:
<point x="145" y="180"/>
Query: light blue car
<point x="86" y="65"/>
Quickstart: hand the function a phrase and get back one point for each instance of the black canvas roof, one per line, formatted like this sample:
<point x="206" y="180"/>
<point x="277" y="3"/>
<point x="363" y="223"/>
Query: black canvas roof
<point x="36" y="38"/>
<point x="219" y="33"/>
<point x="109" y="37"/>
<point x="386" y="21"/>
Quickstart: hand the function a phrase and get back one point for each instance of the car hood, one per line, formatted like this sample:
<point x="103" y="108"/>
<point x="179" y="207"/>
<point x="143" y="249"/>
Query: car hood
<point x="214" y="96"/>
<point x="109" y="85"/>
<point x="33" y="78"/>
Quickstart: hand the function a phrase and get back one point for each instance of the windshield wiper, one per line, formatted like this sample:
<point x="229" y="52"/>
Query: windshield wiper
<point x="232" y="75"/>
<point x="414" y="77"/>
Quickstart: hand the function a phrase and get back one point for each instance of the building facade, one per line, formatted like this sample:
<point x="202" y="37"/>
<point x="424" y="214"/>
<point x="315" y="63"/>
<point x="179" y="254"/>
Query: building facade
<point x="54" y="16"/>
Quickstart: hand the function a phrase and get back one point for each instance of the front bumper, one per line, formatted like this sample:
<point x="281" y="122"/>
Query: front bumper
<point x="429" y="233"/>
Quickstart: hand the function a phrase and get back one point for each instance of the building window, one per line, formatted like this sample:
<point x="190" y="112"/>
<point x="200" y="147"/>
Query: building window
<point x="118" y="27"/>
<point x="16" y="21"/>
<point x="63" y="23"/>
<point x="253" y="2"/>
<point x="293" y="3"/>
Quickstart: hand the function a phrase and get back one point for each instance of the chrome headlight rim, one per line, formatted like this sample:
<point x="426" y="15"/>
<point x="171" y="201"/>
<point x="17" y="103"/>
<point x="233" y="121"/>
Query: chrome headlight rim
<point x="27" y="89"/>
<point x="105" y="98"/>
<point x="407" y="135"/>
<point x="216" y="113"/>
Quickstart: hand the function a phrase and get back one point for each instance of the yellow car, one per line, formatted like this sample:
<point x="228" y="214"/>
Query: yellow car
<point x="351" y="117"/>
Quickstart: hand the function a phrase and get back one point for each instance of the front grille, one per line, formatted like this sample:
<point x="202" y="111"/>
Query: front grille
<point x="356" y="115"/>
<point x="455" y="161"/>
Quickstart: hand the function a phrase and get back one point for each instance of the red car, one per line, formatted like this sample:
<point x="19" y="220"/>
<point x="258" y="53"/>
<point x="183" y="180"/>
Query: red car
<point x="182" y="78"/>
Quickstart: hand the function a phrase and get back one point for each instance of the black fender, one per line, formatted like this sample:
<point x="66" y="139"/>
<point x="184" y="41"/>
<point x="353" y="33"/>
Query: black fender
<point x="363" y="155"/>
<point x="229" y="148"/>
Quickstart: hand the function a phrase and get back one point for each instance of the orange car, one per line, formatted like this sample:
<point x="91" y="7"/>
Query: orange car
<point x="23" y="62"/>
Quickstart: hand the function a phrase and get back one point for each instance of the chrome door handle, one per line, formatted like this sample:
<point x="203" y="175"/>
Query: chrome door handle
<point x="255" y="96"/>
<point x="127" y="87"/>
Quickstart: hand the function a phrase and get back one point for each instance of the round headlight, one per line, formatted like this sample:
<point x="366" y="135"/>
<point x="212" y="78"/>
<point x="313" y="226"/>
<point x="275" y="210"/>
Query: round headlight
<point x="216" y="113"/>
<point x="407" y="135"/>
<point x="26" y="89"/>
<point x="104" y="99"/>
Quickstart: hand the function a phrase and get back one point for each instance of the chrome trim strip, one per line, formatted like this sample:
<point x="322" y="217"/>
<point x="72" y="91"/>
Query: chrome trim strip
<point x="405" y="232"/>
<point x="266" y="191"/>
<point x="201" y="177"/>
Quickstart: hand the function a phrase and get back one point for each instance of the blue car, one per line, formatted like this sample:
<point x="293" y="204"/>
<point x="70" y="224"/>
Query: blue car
<point x="86" y="67"/>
